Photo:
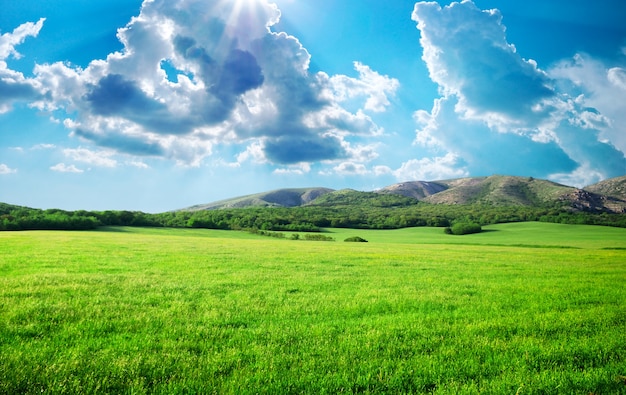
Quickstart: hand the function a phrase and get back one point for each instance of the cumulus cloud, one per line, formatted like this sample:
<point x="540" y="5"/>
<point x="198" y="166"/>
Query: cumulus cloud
<point x="438" y="168"/>
<point x="13" y="85"/>
<point x="617" y="77"/>
<point x="63" y="168"/>
<point x="581" y="177"/>
<point x="8" y="41"/>
<point x="4" y="169"/>
<point x="466" y="52"/>
<point x="374" y="87"/>
<point x="351" y="168"/>
<point x="179" y="87"/>
<point x="501" y="111"/>
<point x="381" y="170"/>
<point x="600" y="90"/>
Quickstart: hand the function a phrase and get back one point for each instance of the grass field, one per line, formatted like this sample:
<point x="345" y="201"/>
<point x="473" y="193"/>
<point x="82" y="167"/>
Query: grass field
<point x="526" y="308"/>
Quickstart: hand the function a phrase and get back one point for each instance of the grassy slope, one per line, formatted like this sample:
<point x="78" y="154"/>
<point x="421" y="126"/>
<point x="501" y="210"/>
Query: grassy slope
<point x="500" y="191"/>
<point x="288" y="197"/>
<point x="615" y="187"/>
<point x="158" y="310"/>
<point x="530" y="234"/>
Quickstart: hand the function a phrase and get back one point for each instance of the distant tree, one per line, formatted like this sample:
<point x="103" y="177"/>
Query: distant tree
<point x="356" y="239"/>
<point x="463" y="228"/>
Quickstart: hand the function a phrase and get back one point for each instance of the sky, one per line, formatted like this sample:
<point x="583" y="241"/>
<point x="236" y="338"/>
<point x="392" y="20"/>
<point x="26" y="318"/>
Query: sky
<point x="157" y="105"/>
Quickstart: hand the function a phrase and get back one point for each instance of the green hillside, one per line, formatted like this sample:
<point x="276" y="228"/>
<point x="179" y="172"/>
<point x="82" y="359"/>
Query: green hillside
<point x="613" y="187"/>
<point x="352" y="198"/>
<point x="289" y="197"/>
<point x="501" y="191"/>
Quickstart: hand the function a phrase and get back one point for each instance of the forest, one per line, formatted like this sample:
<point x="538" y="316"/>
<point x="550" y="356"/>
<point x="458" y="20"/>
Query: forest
<point x="373" y="212"/>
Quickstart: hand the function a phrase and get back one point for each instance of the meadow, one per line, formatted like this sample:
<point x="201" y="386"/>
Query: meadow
<point x="526" y="308"/>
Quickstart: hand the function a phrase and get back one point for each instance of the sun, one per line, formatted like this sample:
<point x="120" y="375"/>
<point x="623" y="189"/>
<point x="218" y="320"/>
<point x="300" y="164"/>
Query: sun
<point x="247" y="20"/>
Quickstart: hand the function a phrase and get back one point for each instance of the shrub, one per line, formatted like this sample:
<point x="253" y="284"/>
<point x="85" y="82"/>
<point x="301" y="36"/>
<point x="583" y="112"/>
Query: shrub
<point x="464" y="228"/>
<point x="356" y="239"/>
<point x="317" y="237"/>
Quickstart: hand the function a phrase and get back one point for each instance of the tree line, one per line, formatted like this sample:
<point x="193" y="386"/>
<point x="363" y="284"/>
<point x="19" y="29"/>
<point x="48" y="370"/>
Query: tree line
<point x="302" y="219"/>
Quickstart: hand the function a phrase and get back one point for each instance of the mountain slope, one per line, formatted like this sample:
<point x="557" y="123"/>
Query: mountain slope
<point x="350" y="197"/>
<point x="494" y="190"/>
<point x="613" y="187"/>
<point x="414" y="189"/>
<point x="500" y="191"/>
<point x="290" y="197"/>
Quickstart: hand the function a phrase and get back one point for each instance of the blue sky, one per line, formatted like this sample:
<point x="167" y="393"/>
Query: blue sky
<point x="159" y="105"/>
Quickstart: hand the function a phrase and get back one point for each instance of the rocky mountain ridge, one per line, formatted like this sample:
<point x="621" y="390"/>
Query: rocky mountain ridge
<point x="606" y="196"/>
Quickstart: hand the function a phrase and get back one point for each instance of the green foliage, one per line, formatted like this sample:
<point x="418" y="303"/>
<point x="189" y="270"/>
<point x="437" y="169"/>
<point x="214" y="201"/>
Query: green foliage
<point x="463" y="228"/>
<point x="356" y="211"/>
<point x="356" y="239"/>
<point x="147" y="310"/>
<point x="349" y="197"/>
<point x="317" y="237"/>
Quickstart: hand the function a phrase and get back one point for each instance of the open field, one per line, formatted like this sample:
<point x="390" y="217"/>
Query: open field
<point x="526" y="308"/>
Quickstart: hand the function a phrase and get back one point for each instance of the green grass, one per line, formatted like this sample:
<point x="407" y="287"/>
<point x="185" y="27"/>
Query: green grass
<point x="523" y="234"/>
<point x="413" y="311"/>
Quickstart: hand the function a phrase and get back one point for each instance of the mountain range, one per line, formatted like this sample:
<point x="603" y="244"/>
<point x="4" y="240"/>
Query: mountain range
<point x="606" y="196"/>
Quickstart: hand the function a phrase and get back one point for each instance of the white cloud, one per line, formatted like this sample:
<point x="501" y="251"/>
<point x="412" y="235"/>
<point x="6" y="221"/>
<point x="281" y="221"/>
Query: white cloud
<point x="43" y="146"/>
<point x="467" y="55"/>
<point x="231" y="81"/>
<point x="600" y="88"/>
<point x="429" y="169"/>
<point x="382" y="170"/>
<point x="298" y="169"/>
<point x="95" y="158"/>
<point x="501" y="113"/>
<point x="351" y="168"/>
<point x="254" y="152"/>
<point x="8" y="41"/>
<point x="374" y="87"/>
<point x="4" y="169"/>
<point x="617" y="76"/>
<point x="63" y="168"/>
<point x="581" y="177"/>
<point x="13" y="85"/>
<point x="138" y="164"/>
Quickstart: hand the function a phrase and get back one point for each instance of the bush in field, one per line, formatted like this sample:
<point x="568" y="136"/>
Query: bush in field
<point x="317" y="237"/>
<point x="463" y="228"/>
<point x="356" y="239"/>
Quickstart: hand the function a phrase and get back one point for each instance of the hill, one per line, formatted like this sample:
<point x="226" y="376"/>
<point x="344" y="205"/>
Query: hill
<point x="415" y="189"/>
<point x="352" y="198"/>
<point x="500" y="191"/>
<point x="497" y="190"/>
<point x="291" y="197"/>
<point x="483" y="200"/>
<point x="613" y="187"/>
<point x="607" y="196"/>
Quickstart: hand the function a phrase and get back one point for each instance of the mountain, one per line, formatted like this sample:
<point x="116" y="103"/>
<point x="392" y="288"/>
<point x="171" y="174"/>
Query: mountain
<point x="613" y="187"/>
<point x="497" y="190"/>
<point x="415" y="189"/>
<point x="494" y="190"/>
<point x="350" y="197"/>
<point x="291" y="197"/>
<point x="500" y="191"/>
<point x="523" y="191"/>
